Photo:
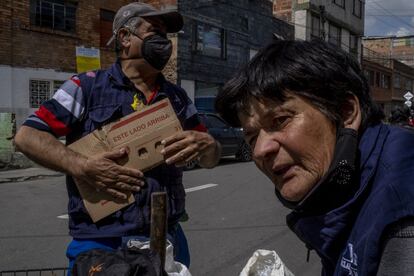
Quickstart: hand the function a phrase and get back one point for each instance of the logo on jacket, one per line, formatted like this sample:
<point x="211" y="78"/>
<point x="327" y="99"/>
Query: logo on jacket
<point x="94" y="269"/>
<point x="349" y="260"/>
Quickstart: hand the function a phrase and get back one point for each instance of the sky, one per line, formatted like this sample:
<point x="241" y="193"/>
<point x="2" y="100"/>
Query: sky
<point x="389" y="17"/>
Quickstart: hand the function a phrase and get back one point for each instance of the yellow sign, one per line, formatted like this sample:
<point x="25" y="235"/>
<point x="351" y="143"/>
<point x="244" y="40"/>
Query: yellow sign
<point x="87" y="59"/>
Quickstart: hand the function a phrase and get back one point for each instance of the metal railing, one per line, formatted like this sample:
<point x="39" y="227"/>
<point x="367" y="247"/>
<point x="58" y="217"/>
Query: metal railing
<point x="60" y="271"/>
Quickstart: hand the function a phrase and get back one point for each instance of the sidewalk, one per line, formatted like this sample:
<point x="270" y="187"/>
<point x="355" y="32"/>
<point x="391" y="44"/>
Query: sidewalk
<point x="26" y="174"/>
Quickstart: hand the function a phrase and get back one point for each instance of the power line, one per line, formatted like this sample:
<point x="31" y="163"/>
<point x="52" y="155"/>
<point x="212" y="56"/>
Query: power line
<point x="386" y="23"/>
<point x="390" y="13"/>
<point x="400" y="15"/>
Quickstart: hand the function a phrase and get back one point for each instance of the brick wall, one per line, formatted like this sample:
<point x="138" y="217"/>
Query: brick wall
<point x="25" y="45"/>
<point x="283" y="9"/>
<point x="5" y="32"/>
<point x="385" y="46"/>
<point x="378" y="45"/>
<point x="38" y="47"/>
<point x="162" y="4"/>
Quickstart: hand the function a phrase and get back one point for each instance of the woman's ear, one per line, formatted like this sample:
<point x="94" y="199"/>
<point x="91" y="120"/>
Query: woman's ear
<point x="351" y="112"/>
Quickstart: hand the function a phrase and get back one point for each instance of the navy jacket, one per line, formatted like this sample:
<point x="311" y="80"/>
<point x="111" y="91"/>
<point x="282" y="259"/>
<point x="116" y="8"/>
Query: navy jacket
<point x="348" y="239"/>
<point x="87" y="102"/>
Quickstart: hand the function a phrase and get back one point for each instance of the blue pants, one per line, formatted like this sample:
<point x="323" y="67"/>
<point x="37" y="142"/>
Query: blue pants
<point x="175" y="236"/>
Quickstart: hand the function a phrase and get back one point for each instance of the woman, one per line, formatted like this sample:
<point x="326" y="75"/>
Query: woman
<point x="315" y="132"/>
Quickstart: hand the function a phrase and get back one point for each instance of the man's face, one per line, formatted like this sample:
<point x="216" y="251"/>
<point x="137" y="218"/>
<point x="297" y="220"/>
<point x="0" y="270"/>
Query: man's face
<point x="292" y="143"/>
<point x="145" y="28"/>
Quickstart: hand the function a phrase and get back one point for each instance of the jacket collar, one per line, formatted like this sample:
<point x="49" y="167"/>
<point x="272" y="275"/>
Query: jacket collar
<point x="117" y="76"/>
<point x="327" y="233"/>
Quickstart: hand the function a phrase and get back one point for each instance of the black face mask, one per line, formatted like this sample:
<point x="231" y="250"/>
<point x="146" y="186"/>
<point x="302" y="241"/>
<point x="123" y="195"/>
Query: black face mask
<point x="340" y="182"/>
<point x="156" y="50"/>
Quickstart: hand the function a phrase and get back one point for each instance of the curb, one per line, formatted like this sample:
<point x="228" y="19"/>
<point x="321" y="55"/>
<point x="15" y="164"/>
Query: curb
<point x="26" y="178"/>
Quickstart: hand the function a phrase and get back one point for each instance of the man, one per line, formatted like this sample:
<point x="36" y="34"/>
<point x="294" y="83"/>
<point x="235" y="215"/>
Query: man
<point x="315" y="132"/>
<point x="92" y="99"/>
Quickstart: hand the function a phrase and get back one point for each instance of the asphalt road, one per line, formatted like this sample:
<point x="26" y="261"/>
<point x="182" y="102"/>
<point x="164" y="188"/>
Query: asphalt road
<point x="228" y="222"/>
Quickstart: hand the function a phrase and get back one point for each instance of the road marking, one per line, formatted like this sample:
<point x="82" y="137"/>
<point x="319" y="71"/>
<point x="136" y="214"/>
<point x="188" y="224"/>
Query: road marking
<point x="189" y="190"/>
<point x="197" y="188"/>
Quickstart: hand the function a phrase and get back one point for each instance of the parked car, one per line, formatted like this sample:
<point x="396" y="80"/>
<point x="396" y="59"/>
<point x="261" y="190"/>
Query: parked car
<point x="230" y="138"/>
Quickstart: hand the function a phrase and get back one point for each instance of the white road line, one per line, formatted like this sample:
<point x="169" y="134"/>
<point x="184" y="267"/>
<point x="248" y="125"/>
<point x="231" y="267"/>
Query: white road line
<point x="206" y="186"/>
<point x="189" y="190"/>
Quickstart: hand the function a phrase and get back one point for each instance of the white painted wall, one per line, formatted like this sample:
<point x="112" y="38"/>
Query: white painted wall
<point x="14" y="92"/>
<point x="345" y="39"/>
<point x="189" y="87"/>
<point x="343" y="14"/>
<point x="5" y="86"/>
<point x="301" y="23"/>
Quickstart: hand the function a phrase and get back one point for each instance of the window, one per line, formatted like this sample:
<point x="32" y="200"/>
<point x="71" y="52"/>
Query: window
<point x="397" y="81"/>
<point x="105" y="26"/>
<point x="210" y="40"/>
<point x="371" y="78"/>
<point x="357" y="8"/>
<point x="340" y="3"/>
<point x="205" y="95"/>
<point x="334" y="35"/>
<point x="315" y="27"/>
<point x="39" y="92"/>
<point x="42" y="90"/>
<point x="53" y="14"/>
<point x="402" y="42"/>
<point x="245" y="24"/>
<point x="369" y="74"/>
<point x="385" y="81"/>
<point x="353" y="44"/>
<point x="377" y="79"/>
<point x="409" y="84"/>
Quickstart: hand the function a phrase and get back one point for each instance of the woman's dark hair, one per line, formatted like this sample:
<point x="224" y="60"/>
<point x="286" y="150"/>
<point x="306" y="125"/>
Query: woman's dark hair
<point x="315" y="70"/>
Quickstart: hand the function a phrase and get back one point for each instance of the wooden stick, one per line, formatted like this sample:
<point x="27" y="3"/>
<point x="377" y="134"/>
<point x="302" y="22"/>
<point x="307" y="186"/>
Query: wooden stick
<point x="159" y="224"/>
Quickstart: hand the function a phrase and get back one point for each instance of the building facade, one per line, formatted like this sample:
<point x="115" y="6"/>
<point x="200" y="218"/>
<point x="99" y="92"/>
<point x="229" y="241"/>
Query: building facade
<point x="340" y="22"/>
<point x="39" y="38"/>
<point x="389" y="79"/>
<point x="218" y="37"/>
<point x="400" y="48"/>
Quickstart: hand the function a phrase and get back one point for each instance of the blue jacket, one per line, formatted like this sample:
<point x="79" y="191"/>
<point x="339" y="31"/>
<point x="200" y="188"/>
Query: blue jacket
<point x="87" y="102"/>
<point x="348" y="239"/>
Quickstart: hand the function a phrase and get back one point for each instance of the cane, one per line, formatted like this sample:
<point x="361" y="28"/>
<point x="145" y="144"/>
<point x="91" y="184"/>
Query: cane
<point x="158" y="234"/>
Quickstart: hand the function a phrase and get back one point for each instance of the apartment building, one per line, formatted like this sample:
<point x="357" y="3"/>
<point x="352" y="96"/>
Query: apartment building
<point x="340" y="22"/>
<point x="389" y="79"/>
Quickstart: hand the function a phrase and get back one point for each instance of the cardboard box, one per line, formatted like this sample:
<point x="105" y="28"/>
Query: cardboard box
<point x="141" y="132"/>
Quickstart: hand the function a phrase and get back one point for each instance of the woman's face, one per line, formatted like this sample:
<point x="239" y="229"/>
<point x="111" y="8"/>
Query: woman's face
<point x="292" y="143"/>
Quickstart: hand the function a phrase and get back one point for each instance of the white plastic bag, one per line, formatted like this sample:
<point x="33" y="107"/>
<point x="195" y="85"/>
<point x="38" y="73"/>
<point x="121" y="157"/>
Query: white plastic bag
<point x="172" y="267"/>
<point x="265" y="263"/>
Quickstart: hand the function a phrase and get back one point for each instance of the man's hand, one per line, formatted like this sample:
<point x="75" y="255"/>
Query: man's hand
<point x="105" y="174"/>
<point x="186" y="146"/>
<point x="102" y="172"/>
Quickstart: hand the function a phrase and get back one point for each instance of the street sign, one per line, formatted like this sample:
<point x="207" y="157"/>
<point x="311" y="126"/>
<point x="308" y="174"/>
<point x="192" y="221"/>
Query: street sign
<point x="87" y="59"/>
<point x="408" y="96"/>
<point x="408" y="103"/>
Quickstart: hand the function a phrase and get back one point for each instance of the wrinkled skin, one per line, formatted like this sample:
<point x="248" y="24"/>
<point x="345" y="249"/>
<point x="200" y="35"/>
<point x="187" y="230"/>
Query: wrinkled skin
<point x="292" y="143"/>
